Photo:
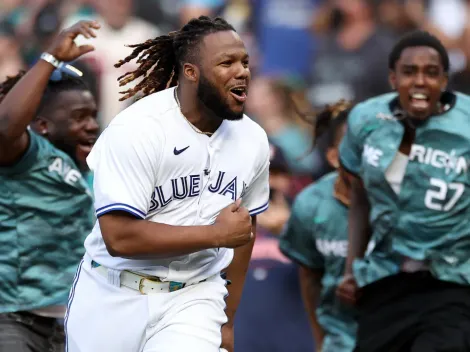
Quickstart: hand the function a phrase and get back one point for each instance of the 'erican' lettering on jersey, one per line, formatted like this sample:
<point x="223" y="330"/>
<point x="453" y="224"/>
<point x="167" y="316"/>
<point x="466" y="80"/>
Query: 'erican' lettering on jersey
<point x="439" y="159"/>
<point x="190" y="186"/>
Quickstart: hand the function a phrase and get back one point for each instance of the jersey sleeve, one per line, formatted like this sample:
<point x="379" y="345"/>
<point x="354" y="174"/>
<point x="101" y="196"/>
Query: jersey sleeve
<point x="297" y="242"/>
<point x="124" y="163"/>
<point x="350" y="149"/>
<point x="256" y="197"/>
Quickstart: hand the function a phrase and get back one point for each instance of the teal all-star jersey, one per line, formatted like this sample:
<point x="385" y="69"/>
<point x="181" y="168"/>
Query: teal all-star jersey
<point x="430" y="218"/>
<point x="317" y="238"/>
<point x="46" y="212"/>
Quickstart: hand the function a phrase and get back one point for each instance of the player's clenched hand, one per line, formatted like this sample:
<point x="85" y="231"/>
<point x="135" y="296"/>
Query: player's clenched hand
<point x="347" y="291"/>
<point x="64" y="48"/>
<point x="233" y="226"/>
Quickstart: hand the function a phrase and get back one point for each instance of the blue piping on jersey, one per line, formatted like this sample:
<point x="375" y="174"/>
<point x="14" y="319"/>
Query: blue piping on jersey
<point x="259" y="209"/>
<point x="120" y="206"/>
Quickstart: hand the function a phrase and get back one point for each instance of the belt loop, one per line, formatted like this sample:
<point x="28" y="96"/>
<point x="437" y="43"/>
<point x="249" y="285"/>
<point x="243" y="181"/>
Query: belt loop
<point x="114" y="277"/>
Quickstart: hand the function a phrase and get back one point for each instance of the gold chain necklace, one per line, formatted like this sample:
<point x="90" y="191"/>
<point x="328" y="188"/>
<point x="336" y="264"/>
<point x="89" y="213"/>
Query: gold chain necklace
<point x="190" y="124"/>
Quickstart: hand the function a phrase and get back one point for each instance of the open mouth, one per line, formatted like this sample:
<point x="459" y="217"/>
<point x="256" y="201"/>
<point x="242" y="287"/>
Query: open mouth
<point x="419" y="101"/>
<point x="86" y="146"/>
<point x="239" y="93"/>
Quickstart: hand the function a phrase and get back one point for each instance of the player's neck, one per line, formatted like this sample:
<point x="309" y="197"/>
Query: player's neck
<point x="341" y="191"/>
<point x="196" y="113"/>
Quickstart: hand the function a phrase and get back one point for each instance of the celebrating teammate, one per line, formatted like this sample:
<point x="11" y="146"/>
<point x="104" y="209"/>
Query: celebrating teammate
<point x="409" y="153"/>
<point x="177" y="176"/>
<point x="46" y="208"/>
<point x="316" y="238"/>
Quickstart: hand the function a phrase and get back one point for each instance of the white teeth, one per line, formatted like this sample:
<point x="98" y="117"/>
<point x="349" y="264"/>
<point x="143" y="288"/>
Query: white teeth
<point x="419" y="96"/>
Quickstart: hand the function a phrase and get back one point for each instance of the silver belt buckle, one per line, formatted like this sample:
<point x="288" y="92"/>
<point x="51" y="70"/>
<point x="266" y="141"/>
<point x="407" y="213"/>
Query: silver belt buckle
<point x="409" y="265"/>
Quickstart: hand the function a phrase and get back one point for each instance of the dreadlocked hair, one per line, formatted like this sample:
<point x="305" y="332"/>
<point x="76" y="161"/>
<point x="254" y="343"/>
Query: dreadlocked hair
<point x="329" y="120"/>
<point x="161" y="59"/>
<point x="9" y="83"/>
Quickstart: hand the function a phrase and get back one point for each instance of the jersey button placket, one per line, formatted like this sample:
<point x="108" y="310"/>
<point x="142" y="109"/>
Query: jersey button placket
<point x="206" y="178"/>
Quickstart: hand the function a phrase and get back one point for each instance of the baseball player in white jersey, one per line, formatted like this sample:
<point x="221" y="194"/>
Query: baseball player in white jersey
<point x="179" y="178"/>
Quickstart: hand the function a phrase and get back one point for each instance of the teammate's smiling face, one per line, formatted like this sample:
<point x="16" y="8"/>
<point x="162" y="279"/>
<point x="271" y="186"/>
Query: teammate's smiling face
<point x="71" y="124"/>
<point x="224" y="74"/>
<point x="419" y="78"/>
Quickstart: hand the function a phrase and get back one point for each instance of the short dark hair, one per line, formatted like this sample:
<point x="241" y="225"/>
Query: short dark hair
<point x="54" y="88"/>
<point x="66" y="83"/>
<point x="162" y="58"/>
<point x="415" y="39"/>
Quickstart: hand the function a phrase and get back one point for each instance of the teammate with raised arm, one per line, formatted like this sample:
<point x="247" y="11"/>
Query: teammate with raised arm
<point x="409" y="152"/>
<point x="177" y="176"/>
<point x="46" y="206"/>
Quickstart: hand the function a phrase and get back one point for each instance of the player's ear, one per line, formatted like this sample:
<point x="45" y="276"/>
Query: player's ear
<point x="392" y="79"/>
<point x="191" y="72"/>
<point x="40" y="126"/>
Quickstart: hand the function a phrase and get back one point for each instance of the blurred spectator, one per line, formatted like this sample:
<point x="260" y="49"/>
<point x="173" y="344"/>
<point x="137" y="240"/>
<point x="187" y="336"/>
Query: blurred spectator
<point x="446" y="20"/>
<point x="119" y="27"/>
<point x="271" y="104"/>
<point x="460" y="81"/>
<point x="10" y="56"/>
<point x="195" y="8"/>
<point x="7" y="6"/>
<point x="271" y="317"/>
<point x="392" y="14"/>
<point x="351" y="60"/>
<point x="282" y="29"/>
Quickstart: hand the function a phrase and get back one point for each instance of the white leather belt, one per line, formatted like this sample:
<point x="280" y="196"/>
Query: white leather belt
<point x="144" y="284"/>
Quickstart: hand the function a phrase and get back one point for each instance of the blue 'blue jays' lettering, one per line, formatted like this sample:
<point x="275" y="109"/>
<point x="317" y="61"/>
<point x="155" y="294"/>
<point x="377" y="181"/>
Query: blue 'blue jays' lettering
<point x="180" y="194"/>
<point x="190" y="186"/>
<point x="216" y="188"/>
<point x="231" y="188"/>
<point x="194" y="185"/>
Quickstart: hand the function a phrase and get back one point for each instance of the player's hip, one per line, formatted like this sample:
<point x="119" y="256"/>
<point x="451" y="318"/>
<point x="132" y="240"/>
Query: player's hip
<point x="190" y="268"/>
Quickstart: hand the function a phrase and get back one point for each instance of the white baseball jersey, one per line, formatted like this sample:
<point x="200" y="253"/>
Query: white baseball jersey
<point x="151" y="163"/>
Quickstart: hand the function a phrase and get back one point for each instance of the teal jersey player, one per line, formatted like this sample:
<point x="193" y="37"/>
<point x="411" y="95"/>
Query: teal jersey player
<point x="46" y="211"/>
<point x="407" y="154"/>
<point x="47" y="129"/>
<point x="317" y="238"/>
<point x="429" y="219"/>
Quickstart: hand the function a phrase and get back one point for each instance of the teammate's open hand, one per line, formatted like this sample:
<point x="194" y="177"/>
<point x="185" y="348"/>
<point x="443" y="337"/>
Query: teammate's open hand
<point x="64" y="48"/>
<point x="233" y="226"/>
<point x="347" y="291"/>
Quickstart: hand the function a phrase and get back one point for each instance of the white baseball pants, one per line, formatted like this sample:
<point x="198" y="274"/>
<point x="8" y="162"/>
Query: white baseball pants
<point x="102" y="317"/>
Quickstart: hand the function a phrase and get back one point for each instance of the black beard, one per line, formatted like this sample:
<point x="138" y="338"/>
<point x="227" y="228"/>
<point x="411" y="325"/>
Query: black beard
<point x="67" y="149"/>
<point x="208" y="95"/>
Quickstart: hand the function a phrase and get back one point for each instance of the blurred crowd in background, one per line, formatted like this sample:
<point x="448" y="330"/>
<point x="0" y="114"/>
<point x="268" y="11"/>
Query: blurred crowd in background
<point x="304" y="54"/>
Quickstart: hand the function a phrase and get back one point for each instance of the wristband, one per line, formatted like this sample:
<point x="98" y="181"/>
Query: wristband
<point x="51" y="59"/>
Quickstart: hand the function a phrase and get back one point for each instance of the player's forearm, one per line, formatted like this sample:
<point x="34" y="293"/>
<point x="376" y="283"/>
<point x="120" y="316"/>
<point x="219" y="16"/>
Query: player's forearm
<point x="20" y="105"/>
<point x="359" y="232"/>
<point x="310" y="285"/>
<point x="128" y="237"/>
<point x="236" y="273"/>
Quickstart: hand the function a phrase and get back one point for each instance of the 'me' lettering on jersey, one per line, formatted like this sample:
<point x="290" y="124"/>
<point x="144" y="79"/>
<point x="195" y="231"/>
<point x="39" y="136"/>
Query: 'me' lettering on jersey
<point x="150" y="162"/>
